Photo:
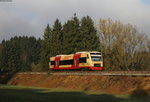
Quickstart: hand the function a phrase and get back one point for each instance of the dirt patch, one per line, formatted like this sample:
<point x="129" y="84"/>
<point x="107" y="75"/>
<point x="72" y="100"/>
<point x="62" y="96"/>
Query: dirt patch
<point x="111" y="84"/>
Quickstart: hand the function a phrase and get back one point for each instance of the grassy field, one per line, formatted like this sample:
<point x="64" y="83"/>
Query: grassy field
<point x="10" y="93"/>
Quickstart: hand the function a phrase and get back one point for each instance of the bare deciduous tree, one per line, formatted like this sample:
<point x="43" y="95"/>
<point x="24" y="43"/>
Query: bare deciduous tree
<point x="120" y="44"/>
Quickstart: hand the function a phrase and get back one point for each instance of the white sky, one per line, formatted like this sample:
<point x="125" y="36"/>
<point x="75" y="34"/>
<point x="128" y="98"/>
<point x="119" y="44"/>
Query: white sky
<point x="30" y="17"/>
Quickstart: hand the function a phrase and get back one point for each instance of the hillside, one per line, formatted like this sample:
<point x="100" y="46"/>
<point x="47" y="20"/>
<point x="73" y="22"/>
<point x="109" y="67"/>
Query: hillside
<point x="106" y="84"/>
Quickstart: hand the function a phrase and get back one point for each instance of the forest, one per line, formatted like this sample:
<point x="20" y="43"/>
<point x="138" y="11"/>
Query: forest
<point x="123" y="46"/>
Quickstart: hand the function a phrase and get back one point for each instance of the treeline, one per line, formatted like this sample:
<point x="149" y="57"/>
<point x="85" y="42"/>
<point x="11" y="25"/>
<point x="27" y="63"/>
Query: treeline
<point x="19" y="53"/>
<point x="122" y="45"/>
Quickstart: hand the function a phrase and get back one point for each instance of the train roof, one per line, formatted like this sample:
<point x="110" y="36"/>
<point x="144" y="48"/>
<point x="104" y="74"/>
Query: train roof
<point x="77" y="53"/>
<point x="63" y="55"/>
<point x="88" y="51"/>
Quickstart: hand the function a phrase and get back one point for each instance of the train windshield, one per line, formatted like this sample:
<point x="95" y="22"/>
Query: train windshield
<point x="95" y="53"/>
<point x="96" y="58"/>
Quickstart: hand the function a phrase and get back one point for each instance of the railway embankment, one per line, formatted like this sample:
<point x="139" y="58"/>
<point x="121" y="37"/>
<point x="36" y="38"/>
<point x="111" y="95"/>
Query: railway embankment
<point x="111" y="84"/>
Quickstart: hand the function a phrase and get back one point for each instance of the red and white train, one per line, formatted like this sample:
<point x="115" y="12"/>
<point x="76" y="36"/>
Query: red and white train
<point x="89" y="60"/>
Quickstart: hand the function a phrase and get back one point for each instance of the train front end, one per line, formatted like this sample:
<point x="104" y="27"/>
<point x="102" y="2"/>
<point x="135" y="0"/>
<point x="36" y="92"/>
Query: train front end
<point x="96" y="61"/>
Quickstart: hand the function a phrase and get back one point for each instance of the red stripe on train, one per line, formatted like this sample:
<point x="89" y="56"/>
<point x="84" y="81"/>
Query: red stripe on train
<point x="57" y="61"/>
<point x="76" y="60"/>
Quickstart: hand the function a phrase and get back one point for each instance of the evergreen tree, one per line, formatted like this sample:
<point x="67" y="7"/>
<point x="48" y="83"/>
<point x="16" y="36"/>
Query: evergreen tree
<point x="88" y="35"/>
<point x="67" y="38"/>
<point x="30" y="52"/>
<point x="3" y="56"/>
<point x="13" y="60"/>
<point x="71" y="31"/>
<point x="46" y="47"/>
<point x="57" y="38"/>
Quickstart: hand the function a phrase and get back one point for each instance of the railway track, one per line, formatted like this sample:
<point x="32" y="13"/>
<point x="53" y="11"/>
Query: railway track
<point x="93" y="73"/>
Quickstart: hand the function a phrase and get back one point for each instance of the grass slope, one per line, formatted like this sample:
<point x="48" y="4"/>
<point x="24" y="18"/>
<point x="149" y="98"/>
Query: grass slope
<point x="10" y="93"/>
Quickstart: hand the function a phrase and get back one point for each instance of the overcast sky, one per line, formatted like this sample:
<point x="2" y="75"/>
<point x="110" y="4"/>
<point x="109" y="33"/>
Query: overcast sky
<point x="30" y="17"/>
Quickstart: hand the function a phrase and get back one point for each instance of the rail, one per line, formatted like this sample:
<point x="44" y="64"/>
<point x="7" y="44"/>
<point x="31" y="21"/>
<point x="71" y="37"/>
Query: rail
<point x="93" y="73"/>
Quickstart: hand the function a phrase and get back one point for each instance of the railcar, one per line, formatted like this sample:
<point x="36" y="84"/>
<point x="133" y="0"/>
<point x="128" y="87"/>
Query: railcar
<point x="87" y="60"/>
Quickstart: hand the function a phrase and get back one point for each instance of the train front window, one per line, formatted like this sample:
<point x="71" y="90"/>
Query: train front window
<point x="96" y="58"/>
<point x="95" y="53"/>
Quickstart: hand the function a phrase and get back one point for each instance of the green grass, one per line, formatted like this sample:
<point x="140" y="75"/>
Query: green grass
<point x="10" y="93"/>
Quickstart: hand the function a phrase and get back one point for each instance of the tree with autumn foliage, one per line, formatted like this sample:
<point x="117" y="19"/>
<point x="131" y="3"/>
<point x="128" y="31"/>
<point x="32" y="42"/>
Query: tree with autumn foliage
<point x="121" y="44"/>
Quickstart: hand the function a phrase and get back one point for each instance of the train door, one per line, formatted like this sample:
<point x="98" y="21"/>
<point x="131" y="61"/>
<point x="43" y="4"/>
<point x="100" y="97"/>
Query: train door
<point x="57" y="61"/>
<point x="76" y="60"/>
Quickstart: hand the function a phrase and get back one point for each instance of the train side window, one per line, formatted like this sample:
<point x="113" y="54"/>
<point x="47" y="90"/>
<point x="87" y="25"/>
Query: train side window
<point x="52" y="62"/>
<point x="82" y="60"/>
<point x="66" y="62"/>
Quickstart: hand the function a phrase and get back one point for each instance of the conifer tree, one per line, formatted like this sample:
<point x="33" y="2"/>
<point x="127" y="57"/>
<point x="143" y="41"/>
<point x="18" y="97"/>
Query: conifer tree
<point x="14" y="61"/>
<point x="56" y="38"/>
<point x="3" y="56"/>
<point x="46" y="47"/>
<point x="88" y="35"/>
<point x="71" y="30"/>
<point x="67" y="38"/>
